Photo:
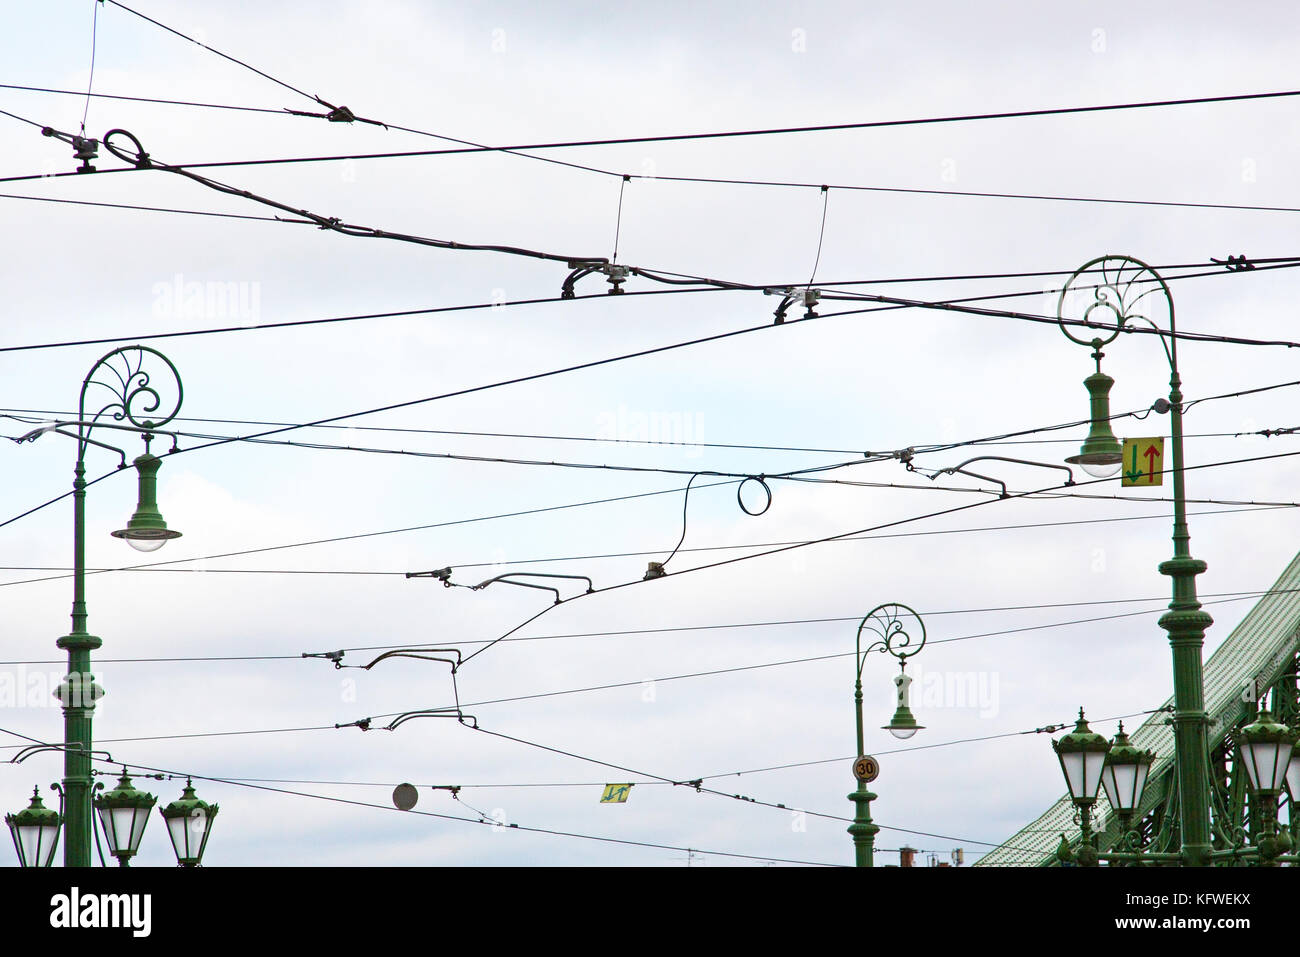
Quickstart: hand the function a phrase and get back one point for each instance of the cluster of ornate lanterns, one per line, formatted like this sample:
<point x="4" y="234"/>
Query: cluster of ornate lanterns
<point x="1265" y="750"/>
<point x="123" y="813"/>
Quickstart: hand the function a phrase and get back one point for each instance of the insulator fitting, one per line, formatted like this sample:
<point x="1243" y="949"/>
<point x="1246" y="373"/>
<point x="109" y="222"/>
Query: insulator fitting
<point x="617" y="276"/>
<point x="84" y="148"/>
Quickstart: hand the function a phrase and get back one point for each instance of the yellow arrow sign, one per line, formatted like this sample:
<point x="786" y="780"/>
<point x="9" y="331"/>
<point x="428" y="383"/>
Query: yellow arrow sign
<point x="615" y="794"/>
<point x="1143" y="462"/>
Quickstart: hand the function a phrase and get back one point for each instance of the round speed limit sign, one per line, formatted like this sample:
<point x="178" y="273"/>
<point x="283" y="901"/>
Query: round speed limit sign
<point x="866" y="769"/>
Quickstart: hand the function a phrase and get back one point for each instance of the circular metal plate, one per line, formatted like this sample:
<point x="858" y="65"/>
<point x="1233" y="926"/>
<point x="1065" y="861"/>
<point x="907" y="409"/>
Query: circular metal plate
<point x="405" y="796"/>
<point x="866" y="769"/>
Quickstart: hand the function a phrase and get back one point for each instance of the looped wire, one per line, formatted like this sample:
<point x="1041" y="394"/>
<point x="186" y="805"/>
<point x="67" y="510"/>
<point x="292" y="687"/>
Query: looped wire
<point x="760" y="479"/>
<point x="740" y="490"/>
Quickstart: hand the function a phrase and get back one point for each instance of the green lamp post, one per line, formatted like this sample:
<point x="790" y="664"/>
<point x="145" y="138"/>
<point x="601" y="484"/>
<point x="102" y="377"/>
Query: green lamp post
<point x="35" y="831"/>
<point x="895" y="634"/>
<point x="189" y="821"/>
<point x="1120" y="292"/>
<point x="129" y="390"/>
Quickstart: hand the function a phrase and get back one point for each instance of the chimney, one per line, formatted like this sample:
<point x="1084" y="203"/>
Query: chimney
<point x="907" y="856"/>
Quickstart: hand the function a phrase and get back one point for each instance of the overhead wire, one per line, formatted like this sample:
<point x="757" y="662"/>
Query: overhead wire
<point x="608" y="555"/>
<point x="147" y="99"/>
<point x="696" y="784"/>
<point x="1046" y="729"/>
<point x="148" y="567"/>
<point x="821" y="234"/>
<point x="331" y="320"/>
<point x="695" y="284"/>
<point x="709" y="180"/>
<point x="36" y="416"/>
<point x="811" y="659"/>
<point x="224" y="56"/>
<point x="155" y="209"/>
<point x="656" y="350"/>
<point x="341" y="114"/>
<point x="1210" y="598"/>
<point x="142" y="160"/>
<point x="481" y="820"/>
<point x="865" y="457"/>
<point x="787" y="548"/>
<point x="362" y="535"/>
<point x="90" y="83"/>
<point x="976" y="194"/>
<point x="646" y="494"/>
<point x="732" y="134"/>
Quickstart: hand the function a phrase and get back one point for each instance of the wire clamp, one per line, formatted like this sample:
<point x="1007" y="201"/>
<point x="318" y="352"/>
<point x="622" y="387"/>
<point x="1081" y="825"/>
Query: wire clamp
<point x="1235" y="263"/>
<point x="787" y="296"/>
<point x="84" y="148"/>
<point x="810" y="297"/>
<point x="581" y="268"/>
<point x="442" y="574"/>
<point x="334" y="656"/>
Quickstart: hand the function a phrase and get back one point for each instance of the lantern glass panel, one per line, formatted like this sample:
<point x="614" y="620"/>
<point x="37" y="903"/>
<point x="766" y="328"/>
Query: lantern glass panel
<point x="189" y="833"/>
<point x="1293" y="776"/>
<point x="36" y="843"/>
<point x="1123" y="784"/>
<point x="1266" y="764"/>
<point x="123" y="828"/>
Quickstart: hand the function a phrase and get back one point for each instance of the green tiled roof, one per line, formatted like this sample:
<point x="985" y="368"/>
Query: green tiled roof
<point x="1261" y="646"/>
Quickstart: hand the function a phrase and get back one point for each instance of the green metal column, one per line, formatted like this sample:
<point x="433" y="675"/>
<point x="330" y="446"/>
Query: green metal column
<point x="78" y="693"/>
<point x="863" y="829"/>
<point x="1186" y="623"/>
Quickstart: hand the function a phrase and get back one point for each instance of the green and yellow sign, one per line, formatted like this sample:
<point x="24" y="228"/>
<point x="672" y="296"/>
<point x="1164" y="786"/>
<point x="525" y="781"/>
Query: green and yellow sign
<point x="615" y="794"/>
<point x="1143" y="462"/>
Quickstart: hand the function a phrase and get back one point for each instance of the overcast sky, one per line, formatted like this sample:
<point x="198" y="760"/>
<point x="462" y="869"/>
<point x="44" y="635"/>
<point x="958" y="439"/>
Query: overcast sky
<point x="513" y="73"/>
